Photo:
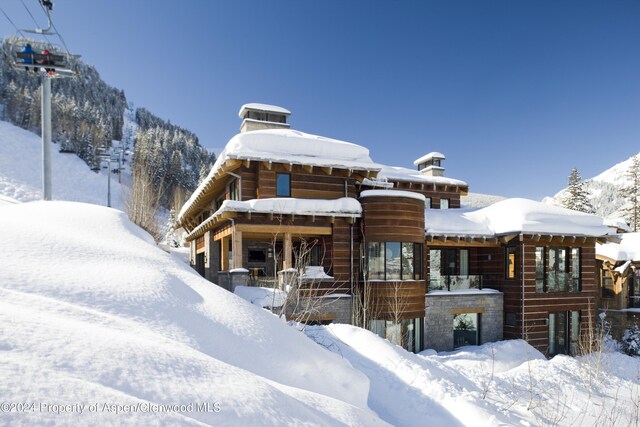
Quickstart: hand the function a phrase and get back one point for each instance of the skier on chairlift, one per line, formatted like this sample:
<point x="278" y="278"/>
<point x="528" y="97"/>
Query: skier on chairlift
<point x="28" y="49"/>
<point x="47" y="3"/>
<point x="48" y="61"/>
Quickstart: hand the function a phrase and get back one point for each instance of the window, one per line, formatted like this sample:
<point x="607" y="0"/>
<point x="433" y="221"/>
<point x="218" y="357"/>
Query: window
<point x="283" y="185"/>
<point x="540" y="285"/>
<point x="427" y="203"/>
<point x="375" y="261"/>
<point x="394" y="261"/>
<point x="466" y="329"/>
<point x="407" y="333"/>
<point x="392" y="264"/>
<point x="444" y="203"/>
<point x="510" y="259"/>
<point x="257" y="255"/>
<point x="557" y="269"/>
<point x="464" y="262"/>
<point x="575" y="269"/>
<point x="233" y="190"/>
<point x="510" y="319"/>
<point x="564" y="332"/>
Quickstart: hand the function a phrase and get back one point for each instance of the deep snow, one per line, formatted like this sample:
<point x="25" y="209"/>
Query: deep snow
<point x="91" y="311"/>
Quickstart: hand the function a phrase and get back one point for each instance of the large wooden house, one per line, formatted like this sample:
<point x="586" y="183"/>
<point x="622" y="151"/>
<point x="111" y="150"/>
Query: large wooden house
<point x="386" y="246"/>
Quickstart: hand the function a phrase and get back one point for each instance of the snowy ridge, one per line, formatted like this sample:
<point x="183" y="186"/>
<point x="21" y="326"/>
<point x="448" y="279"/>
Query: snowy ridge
<point x="603" y="190"/>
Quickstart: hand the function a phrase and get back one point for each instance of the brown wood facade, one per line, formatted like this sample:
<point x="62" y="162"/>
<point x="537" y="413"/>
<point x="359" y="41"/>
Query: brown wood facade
<point x="489" y="262"/>
<point x="235" y="237"/>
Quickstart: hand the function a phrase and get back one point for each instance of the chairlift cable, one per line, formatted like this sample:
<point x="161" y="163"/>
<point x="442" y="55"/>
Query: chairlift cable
<point x="14" y="25"/>
<point x="34" y="20"/>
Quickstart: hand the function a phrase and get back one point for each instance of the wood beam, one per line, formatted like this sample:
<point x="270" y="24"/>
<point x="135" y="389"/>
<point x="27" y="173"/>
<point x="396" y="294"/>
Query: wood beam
<point x="288" y="251"/>
<point x="237" y="249"/>
<point x="297" y="230"/>
<point x="328" y="170"/>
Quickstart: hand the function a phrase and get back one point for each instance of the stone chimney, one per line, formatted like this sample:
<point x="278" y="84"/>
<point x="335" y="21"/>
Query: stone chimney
<point x="431" y="164"/>
<point x="262" y="116"/>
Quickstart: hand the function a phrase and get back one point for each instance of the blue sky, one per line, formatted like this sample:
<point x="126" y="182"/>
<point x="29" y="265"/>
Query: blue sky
<point x="514" y="93"/>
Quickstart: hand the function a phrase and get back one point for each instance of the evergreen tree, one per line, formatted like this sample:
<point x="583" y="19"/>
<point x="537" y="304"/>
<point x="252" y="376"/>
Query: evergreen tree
<point x="576" y="197"/>
<point x="631" y="193"/>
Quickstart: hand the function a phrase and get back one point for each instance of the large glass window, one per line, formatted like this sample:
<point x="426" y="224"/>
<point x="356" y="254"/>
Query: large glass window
<point x="375" y="260"/>
<point x="557" y="269"/>
<point x="394" y="261"/>
<point x="466" y="329"/>
<point x="283" y="185"/>
<point x="408" y="261"/>
<point x="564" y="332"/>
<point x="407" y="333"/>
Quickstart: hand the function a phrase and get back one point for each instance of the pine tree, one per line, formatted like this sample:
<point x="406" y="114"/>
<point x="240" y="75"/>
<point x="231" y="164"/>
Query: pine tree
<point x="631" y="193"/>
<point x="576" y="197"/>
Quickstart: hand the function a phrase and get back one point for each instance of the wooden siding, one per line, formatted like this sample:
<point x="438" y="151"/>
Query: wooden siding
<point x="392" y="300"/>
<point x="306" y="183"/>
<point x="434" y="191"/>
<point x="393" y="219"/>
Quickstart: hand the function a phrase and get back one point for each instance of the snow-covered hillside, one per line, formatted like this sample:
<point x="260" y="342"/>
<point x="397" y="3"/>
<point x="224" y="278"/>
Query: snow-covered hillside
<point x="94" y="318"/>
<point x="92" y="312"/>
<point x="72" y="180"/>
<point x="603" y="190"/>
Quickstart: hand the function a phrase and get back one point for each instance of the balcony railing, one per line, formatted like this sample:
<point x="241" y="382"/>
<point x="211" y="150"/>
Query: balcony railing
<point x="558" y="282"/>
<point x="455" y="283"/>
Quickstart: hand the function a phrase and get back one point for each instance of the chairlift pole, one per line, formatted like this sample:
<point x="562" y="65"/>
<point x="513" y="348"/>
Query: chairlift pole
<point x="109" y="185"/>
<point x="46" y="137"/>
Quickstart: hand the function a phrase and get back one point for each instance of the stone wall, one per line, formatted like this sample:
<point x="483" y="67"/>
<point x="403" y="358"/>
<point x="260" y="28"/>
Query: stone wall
<point x="442" y="306"/>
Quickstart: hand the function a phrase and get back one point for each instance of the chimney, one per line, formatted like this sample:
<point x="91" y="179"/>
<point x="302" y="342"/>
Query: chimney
<point x="431" y="164"/>
<point x="262" y="116"/>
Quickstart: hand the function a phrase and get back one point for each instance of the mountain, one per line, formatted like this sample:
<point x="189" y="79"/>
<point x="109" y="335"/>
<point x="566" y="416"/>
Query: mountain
<point x="72" y="180"/>
<point x="88" y="115"/>
<point x="603" y="190"/>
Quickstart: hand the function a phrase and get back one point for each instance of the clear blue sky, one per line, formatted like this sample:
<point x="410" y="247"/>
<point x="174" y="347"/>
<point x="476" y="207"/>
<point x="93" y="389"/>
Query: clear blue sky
<point x="514" y="93"/>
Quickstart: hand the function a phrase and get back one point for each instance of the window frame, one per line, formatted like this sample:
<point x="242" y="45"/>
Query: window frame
<point x="417" y="266"/>
<point x="288" y="192"/>
<point x="508" y="274"/>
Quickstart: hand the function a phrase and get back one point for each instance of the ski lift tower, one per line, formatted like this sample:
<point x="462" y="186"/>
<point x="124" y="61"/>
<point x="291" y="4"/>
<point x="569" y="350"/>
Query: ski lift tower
<point x="47" y="62"/>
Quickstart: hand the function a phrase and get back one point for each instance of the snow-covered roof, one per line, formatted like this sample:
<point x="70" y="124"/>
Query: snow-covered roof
<point x="288" y="146"/>
<point x="342" y="207"/>
<point x="393" y="193"/>
<point x="396" y="173"/>
<point x="432" y="155"/>
<point x="627" y="250"/>
<point x="262" y="107"/>
<point x="617" y="223"/>
<point x="514" y="216"/>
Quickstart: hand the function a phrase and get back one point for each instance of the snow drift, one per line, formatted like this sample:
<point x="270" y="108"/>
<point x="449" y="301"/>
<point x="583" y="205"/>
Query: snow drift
<point x="92" y="312"/>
